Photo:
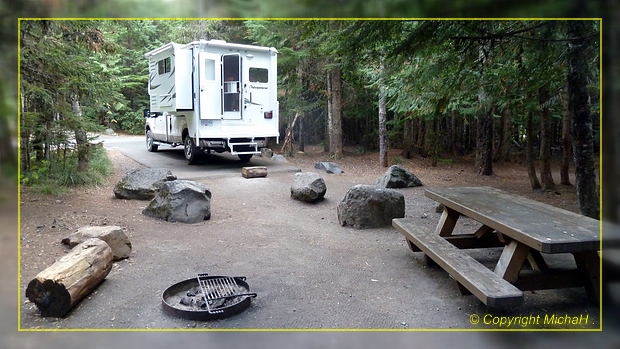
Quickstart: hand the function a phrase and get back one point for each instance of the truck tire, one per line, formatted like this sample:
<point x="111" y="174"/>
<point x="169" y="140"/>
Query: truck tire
<point x="190" y="150"/>
<point x="245" y="157"/>
<point x="150" y="146"/>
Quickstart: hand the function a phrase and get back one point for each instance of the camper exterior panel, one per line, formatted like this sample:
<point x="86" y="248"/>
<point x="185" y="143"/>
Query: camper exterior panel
<point x="182" y="72"/>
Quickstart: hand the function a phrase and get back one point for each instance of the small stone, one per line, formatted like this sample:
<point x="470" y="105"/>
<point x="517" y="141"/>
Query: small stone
<point x="187" y="301"/>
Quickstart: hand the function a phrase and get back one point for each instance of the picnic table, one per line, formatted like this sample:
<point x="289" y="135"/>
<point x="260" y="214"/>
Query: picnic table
<point x="525" y="229"/>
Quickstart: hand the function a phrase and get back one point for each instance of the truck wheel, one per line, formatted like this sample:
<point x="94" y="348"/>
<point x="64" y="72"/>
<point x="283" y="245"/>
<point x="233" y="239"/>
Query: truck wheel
<point x="245" y="157"/>
<point x="150" y="146"/>
<point x="190" y="150"/>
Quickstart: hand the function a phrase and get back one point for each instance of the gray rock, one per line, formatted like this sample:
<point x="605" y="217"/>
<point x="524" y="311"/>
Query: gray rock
<point x="181" y="201"/>
<point x="114" y="236"/>
<point x="279" y="158"/>
<point x="109" y="132"/>
<point x="329" y="167"/>
<point x="308" y="187"/>
<point x="397" y="177"/>
<point x="142" y="184"/>
<point x="367" y="206"/>
<point x="266" y="153"/>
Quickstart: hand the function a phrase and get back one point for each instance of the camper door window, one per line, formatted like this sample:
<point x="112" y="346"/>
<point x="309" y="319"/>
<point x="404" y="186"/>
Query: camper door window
<point x="164" y="66"/>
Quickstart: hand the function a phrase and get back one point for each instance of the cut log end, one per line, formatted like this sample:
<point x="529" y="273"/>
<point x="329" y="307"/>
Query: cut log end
<point x="254" y="172"/>
<point x="51" y="297"/>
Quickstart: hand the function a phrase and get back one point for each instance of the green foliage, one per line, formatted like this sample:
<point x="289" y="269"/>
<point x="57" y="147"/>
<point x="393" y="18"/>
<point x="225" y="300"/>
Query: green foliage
<point x="130" y="122"/>
<point x="56" y="175"/>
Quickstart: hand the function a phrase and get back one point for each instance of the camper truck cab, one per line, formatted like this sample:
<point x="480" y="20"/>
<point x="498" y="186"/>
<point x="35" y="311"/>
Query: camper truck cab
<point x="213" y="96"/>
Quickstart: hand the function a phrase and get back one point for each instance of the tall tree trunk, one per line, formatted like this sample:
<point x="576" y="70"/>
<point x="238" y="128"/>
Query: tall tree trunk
<point x="383" y="157"/>
<point x="484" y="140"/>
<point x="431" y="140"/>
<point x="336" y="139"/>
<point x="566" y="140"/>
<point x="300" y="83"/>
<point x="610" y="142"/>
<point x="484" y="145"/>
<point x="408" y="143"/>
<point x="504" y="148"/>
<point x="529" y="153"/>
<point x="453" y="137"/>
<point x="24" y="140"/>
<point x="546" y="178"/>
<point x="328" y="123"/>
<point x="81" y="138"/>
<point x="583" y="143"/>
<point x="302" y="142"/>
<point x="420" y="138"/>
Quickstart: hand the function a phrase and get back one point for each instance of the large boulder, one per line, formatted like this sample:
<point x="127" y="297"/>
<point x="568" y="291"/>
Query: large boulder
<point x="308" y="187"/>
<point x="181" y="201"/>
<point x="266" y="153"/>
<point x="142" y="184"/>
<point x="397" y="177"/>
<point x="279" y="158"/>
<point x="329" y="167"/>
<point x="367" y="206"/>
<point x="113" y="235"/>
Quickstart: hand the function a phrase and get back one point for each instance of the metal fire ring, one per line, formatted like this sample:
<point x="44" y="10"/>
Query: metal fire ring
<point x="207" y="297"/>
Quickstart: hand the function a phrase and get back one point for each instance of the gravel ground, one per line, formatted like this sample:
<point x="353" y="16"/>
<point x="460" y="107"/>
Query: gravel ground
<point x="308" y="271"/>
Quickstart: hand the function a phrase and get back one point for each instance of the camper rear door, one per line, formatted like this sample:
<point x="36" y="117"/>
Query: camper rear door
<point x="210" y="86"/>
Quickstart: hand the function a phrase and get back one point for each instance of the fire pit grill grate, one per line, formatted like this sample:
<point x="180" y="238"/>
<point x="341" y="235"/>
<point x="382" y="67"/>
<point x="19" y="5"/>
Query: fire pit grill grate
<point x="220" y="288"/>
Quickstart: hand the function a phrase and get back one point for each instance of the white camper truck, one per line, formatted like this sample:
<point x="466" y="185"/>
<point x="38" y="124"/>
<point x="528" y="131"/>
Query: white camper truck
<point x="213" y="96"/>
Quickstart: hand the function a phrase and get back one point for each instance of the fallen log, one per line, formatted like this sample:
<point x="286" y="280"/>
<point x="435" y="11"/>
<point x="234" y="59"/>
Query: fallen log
<point x="62" y="285"/>
<point x="254" y="171"/>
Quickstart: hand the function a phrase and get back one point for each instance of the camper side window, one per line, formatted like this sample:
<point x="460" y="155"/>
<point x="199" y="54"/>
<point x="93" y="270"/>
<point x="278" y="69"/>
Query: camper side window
<point x="164" y="66"/>
<point x="259" y="75"/>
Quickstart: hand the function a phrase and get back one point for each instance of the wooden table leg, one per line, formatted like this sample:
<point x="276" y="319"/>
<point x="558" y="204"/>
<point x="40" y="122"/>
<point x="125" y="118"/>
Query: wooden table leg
<point x="589" y="264"/>
<point x="536" y="261"/>
<point x="447" y="222"/>
<point x="511" y="261"/>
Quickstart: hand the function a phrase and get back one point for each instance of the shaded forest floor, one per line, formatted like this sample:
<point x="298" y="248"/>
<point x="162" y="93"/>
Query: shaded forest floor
<point x="510" y="176"/>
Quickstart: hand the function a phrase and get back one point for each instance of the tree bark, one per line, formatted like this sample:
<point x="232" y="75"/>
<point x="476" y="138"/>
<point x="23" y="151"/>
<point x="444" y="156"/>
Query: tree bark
<point x="529" y="153"/>
<point x="302" y="142"/>
<point x="566" y="141"/>
<point x="484" y="144"/>
<point x="329" y="116"/>
<point x="546" y="177"/>
<point x="408" y="143"/>
<point x="484" y="140"/>
<point x="383" y="157"/>
<point x="24" y="140"/>
<point x="336" y="137"/>
<point x="420" y="138"/>
<point x="81" y="138"/>
<point x="431" y="140"/>
<point x="61" y="286"/>
<point x="504" y="148"/>
<point x="583" y="143"/>
<point x="453" y="138"/>
<point x="300" y="82"/>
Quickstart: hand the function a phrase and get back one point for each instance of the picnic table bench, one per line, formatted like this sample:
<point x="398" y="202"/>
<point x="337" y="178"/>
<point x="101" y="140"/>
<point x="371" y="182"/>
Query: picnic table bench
<point x="524" y="228"/>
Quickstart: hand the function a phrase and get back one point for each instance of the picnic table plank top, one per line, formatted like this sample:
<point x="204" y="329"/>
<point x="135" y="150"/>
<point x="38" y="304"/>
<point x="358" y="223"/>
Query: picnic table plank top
<point x="543" y="227"/>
